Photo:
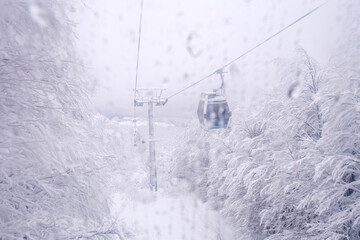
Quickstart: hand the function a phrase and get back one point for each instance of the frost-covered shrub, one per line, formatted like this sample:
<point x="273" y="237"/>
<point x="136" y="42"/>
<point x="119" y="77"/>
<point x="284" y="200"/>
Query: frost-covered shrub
<point x="298" y="177"/>
<point x="54" y="164"/>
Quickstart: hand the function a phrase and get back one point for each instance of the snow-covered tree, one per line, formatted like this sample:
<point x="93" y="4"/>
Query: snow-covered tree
<point x="291" y="170"/>
<point x="53" y="159"/>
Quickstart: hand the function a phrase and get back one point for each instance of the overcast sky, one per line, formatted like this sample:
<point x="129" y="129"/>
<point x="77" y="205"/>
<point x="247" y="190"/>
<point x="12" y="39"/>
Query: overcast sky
<point x="185" y="40"/>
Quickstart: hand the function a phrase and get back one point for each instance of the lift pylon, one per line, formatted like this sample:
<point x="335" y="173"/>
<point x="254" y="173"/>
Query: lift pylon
<point x="151" y="97"/>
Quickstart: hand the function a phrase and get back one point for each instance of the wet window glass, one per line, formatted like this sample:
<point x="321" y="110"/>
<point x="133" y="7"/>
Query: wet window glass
<point x="180" y="120"/>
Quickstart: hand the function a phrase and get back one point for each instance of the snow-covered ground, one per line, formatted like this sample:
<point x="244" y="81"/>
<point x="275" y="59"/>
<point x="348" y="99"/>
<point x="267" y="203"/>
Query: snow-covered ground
<point x="172" y="212"/>
<point x="164" y="217"/>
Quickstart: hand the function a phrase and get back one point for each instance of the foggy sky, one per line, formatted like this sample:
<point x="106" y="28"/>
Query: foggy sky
<point x="183" y="41"/>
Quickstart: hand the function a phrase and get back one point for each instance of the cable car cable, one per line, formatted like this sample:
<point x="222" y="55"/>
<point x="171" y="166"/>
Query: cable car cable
<point x="191" y="85"/>
<point x="250" y="50"/>
<point x="138" y="49"/>
<point x="274" y="35"/>
<point x="137" y="70"/>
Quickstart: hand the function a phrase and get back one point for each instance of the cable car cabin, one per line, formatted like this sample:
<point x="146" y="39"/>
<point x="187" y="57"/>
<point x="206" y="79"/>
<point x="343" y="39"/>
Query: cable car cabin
<point x="213" y="111"/>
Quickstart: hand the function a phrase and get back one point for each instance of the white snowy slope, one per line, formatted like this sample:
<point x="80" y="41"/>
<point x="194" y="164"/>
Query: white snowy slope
<point x="163" y="217"/>
<point x="172" y="212"/>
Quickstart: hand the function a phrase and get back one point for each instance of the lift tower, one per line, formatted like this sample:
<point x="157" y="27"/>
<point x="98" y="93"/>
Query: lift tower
<point x="151" y="97"/>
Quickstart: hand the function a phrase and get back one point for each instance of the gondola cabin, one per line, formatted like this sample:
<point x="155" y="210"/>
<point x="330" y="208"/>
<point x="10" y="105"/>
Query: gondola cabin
<point x="213" y="111"/>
